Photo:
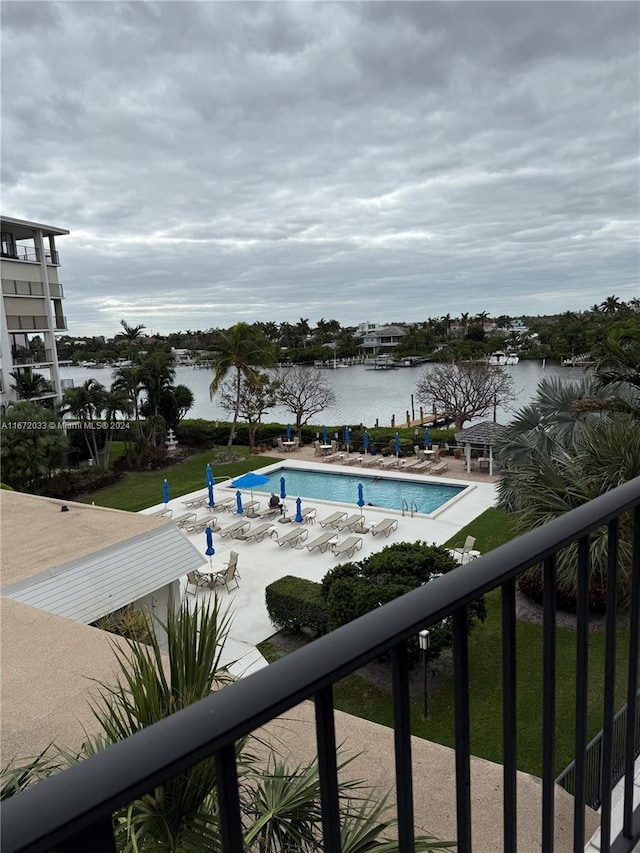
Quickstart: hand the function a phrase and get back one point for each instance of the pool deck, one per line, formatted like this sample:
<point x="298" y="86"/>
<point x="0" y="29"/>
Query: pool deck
<point x="261" y="563"/>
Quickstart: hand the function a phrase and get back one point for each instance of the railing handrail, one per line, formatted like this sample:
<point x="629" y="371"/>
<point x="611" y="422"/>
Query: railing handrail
<point x="96" y="787"/>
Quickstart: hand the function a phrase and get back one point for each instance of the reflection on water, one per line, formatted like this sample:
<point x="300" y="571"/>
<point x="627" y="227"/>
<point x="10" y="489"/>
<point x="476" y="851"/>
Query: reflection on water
<point x="363" y="395"/>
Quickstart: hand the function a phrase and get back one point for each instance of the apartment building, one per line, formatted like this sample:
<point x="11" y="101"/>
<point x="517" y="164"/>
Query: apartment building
<point x="31" y="311"/>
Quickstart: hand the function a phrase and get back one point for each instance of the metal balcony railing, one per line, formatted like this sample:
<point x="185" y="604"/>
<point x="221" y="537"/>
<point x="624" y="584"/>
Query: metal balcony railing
<point x="72" y="811"/>
<point x="39" y="357"/>
<point x="31" y="253"/>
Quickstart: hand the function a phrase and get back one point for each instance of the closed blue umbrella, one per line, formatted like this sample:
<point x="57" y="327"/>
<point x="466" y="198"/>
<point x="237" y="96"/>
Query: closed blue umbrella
<point x="347" y="436"/>
<point x="239" y="503"/>
<point x="325" y="435"/>
<point x="360" y="495"/>
<point x="212" y="503"/>
<point x="365" y="441"/>
<point x="298" y="509"/>
<point x="165" y="492"/>
<point x="210" y="549"/>
<point x="283" y="491"/>
<point x="288" y="432"/>
<point x="427" y="440"/>
<point x="397" y="444"/>
<point x="209" y="475"/>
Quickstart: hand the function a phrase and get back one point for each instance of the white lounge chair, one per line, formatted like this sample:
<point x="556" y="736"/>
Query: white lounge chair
<point x="386" y="526"/>
<point x="225" y="504"/>
<point x="309" y="515"/>
<point x="324" y="541"/>
<point x="294" y="538"/>
<point x="348" y="547"/>
<point x="460" y="553"/>
<point x="351" y="459"/>
<point x="333" y="519"/>
<point x="369" y="461"/>
<point x="350" y="523"/>
<point x="185" y="519"/>
<point x="422" y="466"/>
<point x="194" y="503"/>
<point x="167" y="512"/>
<point x="236" y="529"/>
<point x="408" y="464"/>
<point x="333" y="457"/>
<point x="199" y="525"/>
<point x="439" y="468"/>
<point x="257" y="534"/>
<point x="389" y="462"/>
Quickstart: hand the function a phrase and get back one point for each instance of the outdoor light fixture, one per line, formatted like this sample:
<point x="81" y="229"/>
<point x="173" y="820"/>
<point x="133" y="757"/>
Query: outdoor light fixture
<point x="424" y="638"/>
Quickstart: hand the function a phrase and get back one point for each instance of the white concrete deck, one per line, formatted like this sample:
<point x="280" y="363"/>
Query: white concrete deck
<point x="261" y="563"/>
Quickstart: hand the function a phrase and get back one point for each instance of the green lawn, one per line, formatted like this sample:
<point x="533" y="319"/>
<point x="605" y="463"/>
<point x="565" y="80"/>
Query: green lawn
<point x="140" y="489"/>
<point x="357" y="696"/>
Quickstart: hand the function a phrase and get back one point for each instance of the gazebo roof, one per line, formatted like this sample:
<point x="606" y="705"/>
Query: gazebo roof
<point x="486" y="432"/>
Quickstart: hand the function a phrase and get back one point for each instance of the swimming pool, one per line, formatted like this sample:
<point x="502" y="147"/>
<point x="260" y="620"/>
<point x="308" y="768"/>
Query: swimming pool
<point x="377" y="491"/>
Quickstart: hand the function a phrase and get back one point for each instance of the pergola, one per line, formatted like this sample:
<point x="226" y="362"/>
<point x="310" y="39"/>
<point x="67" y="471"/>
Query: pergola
<point x="483" y="434"/>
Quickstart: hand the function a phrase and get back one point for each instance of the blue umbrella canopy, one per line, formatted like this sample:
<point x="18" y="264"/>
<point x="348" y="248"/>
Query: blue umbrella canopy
<point x="283" y="490"/>
<point x="210" y="549"/>
<point x="365" y="441"/>
<point x="347" y="436"/>
<point x="288" y="432"/>
<point x="360" y="495"/>
<point x="427" y="440"/>
<point x="165" y="491"/>
<point x="298" y="509"/>
<point x="212" y="503"/>
<point x="249" y="480"/>
<point x="239" y="509"/>
<point x="396" y="443"/>
<point x="325" y="435"/>
<point x="209" y="475"/>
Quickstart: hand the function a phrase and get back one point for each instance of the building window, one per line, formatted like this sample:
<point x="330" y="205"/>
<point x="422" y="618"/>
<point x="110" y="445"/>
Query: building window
<point x="8" y="245"/>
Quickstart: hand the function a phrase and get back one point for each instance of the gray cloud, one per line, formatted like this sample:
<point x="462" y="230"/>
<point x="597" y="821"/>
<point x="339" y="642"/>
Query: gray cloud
<point x="225" y="161"/>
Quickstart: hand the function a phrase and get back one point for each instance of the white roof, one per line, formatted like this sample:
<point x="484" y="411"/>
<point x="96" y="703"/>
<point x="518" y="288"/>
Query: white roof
<point x="99" y="583"/>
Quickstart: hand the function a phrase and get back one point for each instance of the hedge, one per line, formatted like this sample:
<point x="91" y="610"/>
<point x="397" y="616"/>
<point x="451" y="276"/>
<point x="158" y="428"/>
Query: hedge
<point x="295" y="603"/>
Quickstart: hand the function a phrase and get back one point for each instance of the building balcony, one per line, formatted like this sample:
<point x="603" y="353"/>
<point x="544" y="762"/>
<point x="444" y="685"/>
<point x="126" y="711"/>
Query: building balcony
<point x="73" y="809"/>
<point x="33" y="358"/>
<point x="18" y="287"/>
<point x="31" y="254"/>
<point x="27" y="323"/>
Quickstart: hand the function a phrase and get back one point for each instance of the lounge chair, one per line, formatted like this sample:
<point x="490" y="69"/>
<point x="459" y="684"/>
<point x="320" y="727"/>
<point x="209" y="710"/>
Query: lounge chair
<point x="389" y="462"/>
<point x="225" y="504"/>
<point x="309" y="515"/>
<point x="408" y="464"/>
<point x="269" y="512"/>
<point x="194" y="503"/>
<point x="460" y="553"/>
<point x="422" y="466"/>
<point x="333" y="457"/>
<point x="324" y="541"/>
<point x="333" y="519"/>
<point x="439" y="467"/>
<point x="228" y="575"/>
<point x="199" y="525"/>
<point x="368" y="460"/>
<point x="294" y="537"/>
<point x="348" y="547"/>
<point x="185" y="519"/>
<point x="251" y="507"/>
<point x="386" y="526"/>
<point x="257" y="534"/>
<point x="198" y="581"/>
<point x="167" y="512"/>
<point x="350" y="523"/>
<point x="351" y="459"/>
<point x="236" y="529"/>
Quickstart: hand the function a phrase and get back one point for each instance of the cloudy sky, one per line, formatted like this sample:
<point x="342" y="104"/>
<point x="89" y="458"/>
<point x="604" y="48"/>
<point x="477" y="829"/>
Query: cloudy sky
<point x="218" y="162"/>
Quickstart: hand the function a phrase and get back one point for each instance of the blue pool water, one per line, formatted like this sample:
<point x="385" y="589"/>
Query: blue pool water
<point x="343" y="488"/>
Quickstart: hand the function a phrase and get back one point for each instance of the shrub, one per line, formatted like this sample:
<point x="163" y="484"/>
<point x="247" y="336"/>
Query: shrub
<point x="530" y="585"/>
<point x="129" y="621"/>
<point x="67" y="485"/>
<point x="295" y="603"/>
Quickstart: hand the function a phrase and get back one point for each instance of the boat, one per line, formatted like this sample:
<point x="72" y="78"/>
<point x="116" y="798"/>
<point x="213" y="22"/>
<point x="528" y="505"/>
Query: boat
<point x="503" y="358"/>
<point x="383" y="362"/>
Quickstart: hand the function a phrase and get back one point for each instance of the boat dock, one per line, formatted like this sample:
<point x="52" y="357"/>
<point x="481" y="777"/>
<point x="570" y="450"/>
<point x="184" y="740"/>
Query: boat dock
<point x="584" y="360"/>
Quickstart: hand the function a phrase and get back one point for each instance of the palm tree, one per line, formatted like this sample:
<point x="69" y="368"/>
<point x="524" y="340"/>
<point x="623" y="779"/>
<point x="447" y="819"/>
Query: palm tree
<point x="280" y="805"/>
<point x="132" y="335"/>
<point x="86" y="404"/>
<point x="29" y="455"/>
<point x="156" y="376"/>
<point x="129" y="380"/>
<point x="29" y="385"/>
<point x="116" y="402"/>
<point x="611" y="305"/>
<point x="239" y="352"/>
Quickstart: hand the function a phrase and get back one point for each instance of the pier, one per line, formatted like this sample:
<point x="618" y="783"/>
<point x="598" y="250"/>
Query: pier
<point x="584" y="360"/>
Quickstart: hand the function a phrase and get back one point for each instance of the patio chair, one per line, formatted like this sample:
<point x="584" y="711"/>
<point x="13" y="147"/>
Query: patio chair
<point x="317" y="450"/>
<point x="324" y="541"/>
<point x="198" y="581"/>
<point x="258" y="533"/>
<point x="348" y="547"/>
<point x="293" y="538"/>
<point x="228" y="575"/>
<point x="350" y="523"/>
<point x="236" y="529"/>
<point x="333" y="519"/>
<point x="386" y="526"/>
<point x="460" y="553"/>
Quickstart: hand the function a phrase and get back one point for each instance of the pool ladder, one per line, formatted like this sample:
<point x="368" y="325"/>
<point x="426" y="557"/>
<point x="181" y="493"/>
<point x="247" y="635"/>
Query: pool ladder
<point x="410" y="509"/>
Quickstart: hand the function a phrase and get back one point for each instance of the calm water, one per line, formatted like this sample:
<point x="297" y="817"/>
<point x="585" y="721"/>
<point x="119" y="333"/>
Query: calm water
<point x="378" y="491"/>
<point x="363" y="395"/>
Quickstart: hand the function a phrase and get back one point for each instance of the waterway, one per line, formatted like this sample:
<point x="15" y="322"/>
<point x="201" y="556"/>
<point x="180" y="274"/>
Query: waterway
<point x="363" y="396"/>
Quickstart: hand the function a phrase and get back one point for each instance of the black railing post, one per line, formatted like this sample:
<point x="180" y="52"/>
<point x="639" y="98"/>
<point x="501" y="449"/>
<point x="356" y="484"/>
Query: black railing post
<point x="402" y="744"/>
<point x="462" y="729"/>
<point x="582" y="672"/>
<point x="548" y="701"/>
<point x="228" y="794"/>
<point x="328" y="770"/>
<point x="606" y="770"/>
<point x="509" y="798"/>
<point x="632" y="736"/>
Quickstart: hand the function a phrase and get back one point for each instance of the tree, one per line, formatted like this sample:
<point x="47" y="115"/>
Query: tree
<point x="29" y="385"/>
<point x="304" y="393"/>
<point x="175" y="402"/>
<point x="156" y="374"/>
<point x="464" y="391"/>
<point x="29" y="454"/>
<point x="280" y="805"/>
<point x="129" y="380"/>
<point x="239" y="352"/>
<point x="116" y="403"/>
<point x="86" y="404"/>
<point x="611" y="305"/>
<point x="132" y="335"/>
<point x="256" y="398"/>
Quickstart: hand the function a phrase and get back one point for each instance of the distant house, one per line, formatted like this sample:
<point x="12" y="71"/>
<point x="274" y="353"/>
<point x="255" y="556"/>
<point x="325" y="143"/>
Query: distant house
<point x="382" y="339"/>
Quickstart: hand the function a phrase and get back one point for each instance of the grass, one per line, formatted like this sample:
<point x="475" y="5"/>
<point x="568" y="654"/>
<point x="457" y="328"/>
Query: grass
<point x="358" y="696"/>
<point x="140" y="489"/>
